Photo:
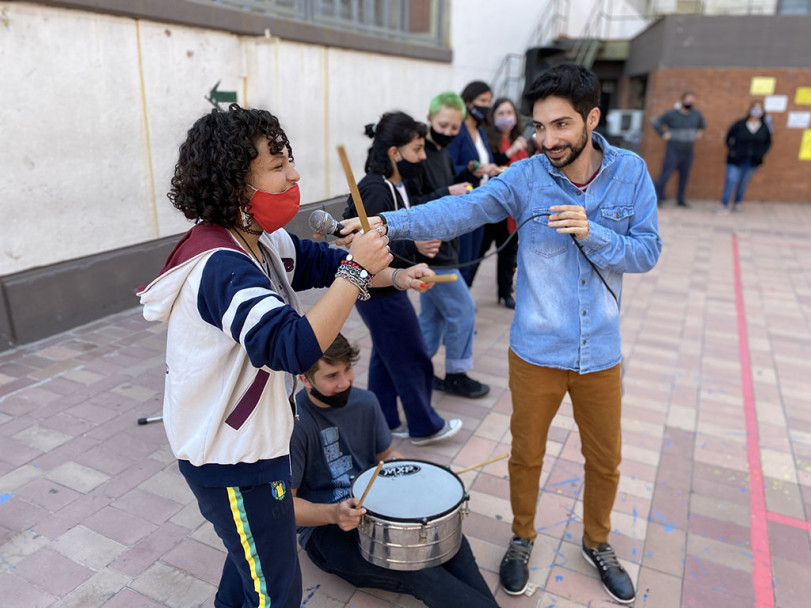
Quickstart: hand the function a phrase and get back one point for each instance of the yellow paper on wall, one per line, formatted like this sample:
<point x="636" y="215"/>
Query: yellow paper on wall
<point x="803" y="96"/>
<point x="762" y="85"/>
<point x="805" y="145"/>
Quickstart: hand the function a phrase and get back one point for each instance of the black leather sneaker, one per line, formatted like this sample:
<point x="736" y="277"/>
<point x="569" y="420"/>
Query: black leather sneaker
<point x="514" y="571"/>
<point x="465" y="386"/>
<point x="613" y="576"/>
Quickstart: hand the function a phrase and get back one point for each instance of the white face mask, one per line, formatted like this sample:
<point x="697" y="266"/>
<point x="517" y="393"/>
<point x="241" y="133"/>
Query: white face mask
<point x="504" y="123"/>
<point x="756" y="112"/>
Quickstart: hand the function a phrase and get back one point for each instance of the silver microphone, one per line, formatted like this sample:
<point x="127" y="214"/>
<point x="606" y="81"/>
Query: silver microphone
<point x="322" y="222"/>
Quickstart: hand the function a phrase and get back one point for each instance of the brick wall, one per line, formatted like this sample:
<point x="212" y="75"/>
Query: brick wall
<point x="722" y="96"/>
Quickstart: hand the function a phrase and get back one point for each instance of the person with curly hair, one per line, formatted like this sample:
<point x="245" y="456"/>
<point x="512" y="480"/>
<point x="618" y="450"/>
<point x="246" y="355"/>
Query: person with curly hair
<point x="237" y="336"/>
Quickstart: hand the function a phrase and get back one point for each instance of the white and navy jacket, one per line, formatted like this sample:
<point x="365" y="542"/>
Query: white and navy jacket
<point x="234" y="335"/>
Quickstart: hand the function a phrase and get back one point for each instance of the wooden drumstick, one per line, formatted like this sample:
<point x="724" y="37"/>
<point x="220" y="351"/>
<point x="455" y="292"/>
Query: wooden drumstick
<point x="440" y="278"/>
<point x="353" y="188"/>
<point x="481" y="464"/>
<point x="369" y="487"/>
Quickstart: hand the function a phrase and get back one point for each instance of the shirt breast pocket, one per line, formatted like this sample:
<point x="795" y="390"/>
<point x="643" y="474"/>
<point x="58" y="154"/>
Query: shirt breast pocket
<point x="543" y="240"/>
<point x="617" y="219"/>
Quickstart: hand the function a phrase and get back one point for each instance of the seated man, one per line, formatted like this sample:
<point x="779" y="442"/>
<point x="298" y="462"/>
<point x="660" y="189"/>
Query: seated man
<point x="340" y="432"/>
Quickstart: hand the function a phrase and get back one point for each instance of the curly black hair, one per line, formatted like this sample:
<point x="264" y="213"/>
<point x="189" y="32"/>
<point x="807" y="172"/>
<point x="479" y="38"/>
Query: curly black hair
<point x="209" y="182"/>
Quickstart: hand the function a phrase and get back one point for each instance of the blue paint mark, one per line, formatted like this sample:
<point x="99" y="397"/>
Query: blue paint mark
<point x="558" y="578"/>
<point x="633" y="551"/>
<point x="573" y="481"/>
<point x="568" y="536"/>
<point x="4" y="498"/>
<point x="554" y="525"/>
<point x="312" y="591"/>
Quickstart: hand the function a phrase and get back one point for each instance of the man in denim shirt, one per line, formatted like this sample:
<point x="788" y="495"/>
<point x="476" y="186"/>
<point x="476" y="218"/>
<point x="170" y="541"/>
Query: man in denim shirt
<point x="587" y="213"/>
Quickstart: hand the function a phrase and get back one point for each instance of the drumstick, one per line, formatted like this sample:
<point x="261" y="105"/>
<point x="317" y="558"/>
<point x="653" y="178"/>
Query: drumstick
<point x="369" y="487"/>
<point x="481" y="464"/>
<point x="353" y="188"/>
<point x="440" y="278"/>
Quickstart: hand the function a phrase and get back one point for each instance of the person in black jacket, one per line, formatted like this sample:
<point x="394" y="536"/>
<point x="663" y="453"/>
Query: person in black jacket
<point x="449" y="315"/>
<point x="748" y="140"/>
<point x="399" y="365"/>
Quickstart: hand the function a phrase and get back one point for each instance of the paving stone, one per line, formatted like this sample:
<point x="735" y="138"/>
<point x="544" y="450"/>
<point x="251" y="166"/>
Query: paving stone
<point x="87" y="547"/>
<point x="171" y="586"/>
<point x="63" y="574"/>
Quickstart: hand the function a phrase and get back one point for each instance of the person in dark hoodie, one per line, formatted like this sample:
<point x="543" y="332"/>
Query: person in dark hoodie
<point x="748" y="140"/>
<point x="399" y="365"/>
<point x="237" y="334"/>
<point x="447" y="312"/>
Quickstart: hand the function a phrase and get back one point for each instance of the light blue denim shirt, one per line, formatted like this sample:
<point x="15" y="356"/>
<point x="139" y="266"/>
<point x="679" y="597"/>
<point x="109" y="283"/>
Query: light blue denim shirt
<point x="565" y="317"/>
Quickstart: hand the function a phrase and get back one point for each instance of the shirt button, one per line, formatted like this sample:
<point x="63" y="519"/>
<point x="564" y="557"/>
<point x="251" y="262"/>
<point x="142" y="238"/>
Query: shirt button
<point x="618" y="216"/>
<point x="584" y="341"/>
<point x="583" y="282"/>
<point x="584" y="313"/>
<point x="579" y="193"/>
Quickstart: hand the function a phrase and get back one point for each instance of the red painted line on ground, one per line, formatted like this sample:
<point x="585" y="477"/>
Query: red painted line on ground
<point x="762" y="557"/>
<point x="788" y="521"/>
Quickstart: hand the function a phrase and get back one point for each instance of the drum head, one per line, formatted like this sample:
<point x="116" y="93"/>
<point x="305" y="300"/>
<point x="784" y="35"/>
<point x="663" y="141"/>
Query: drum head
<point x="410" y="490"/>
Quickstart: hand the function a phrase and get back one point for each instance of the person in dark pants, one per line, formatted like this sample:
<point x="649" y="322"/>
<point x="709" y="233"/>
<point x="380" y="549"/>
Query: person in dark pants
<point x="341" y="432"/>
<point x="400" y="365"/>
<point x="681" y="128"/>
<point x="236" y="334"/>
<point x="473" y="162"/>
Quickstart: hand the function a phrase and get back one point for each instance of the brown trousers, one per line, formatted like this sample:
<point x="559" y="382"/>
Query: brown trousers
<point x="537" y="393"/>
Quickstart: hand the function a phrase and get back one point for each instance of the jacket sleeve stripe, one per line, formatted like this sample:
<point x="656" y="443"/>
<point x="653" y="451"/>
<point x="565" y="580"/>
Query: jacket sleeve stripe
<point x="234" y="316"/>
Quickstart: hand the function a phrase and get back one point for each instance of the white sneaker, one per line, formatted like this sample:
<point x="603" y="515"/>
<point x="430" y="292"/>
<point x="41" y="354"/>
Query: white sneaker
<point x="450" y="428"/>
<point x="400" y="432"/>
<point x="722" y="211"/>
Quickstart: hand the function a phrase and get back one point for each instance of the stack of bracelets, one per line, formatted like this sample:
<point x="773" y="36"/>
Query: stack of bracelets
<point x="351" y="271"/>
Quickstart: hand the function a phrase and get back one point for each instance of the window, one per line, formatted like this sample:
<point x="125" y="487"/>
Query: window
<point x="412" y="21"/>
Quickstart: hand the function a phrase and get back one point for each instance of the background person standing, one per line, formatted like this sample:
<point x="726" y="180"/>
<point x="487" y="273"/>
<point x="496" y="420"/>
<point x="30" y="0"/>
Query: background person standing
<point x="747" y="140"/>
<point x="681" y="128"/>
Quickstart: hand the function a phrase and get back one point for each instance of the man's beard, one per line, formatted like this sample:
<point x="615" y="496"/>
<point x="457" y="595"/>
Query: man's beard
<point x="574" y="151"/>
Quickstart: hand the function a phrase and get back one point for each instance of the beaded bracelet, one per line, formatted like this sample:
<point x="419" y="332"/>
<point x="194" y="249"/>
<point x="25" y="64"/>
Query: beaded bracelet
<point x="394" y="280"/>
<point x="351" y="271"/>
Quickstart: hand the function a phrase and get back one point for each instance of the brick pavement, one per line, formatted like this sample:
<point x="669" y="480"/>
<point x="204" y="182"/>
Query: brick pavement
<point x="713" y="507"/>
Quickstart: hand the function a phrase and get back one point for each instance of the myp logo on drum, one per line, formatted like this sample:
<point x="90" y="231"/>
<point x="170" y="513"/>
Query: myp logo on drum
<point x="400" y="470"/>
<point x="277" y="487"/>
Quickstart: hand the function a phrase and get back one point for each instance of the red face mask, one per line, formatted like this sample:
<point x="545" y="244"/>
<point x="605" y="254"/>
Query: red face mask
<point x="273" y="211"/>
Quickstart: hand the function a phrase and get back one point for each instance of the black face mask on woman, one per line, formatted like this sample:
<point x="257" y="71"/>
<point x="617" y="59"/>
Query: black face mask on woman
<point x="336" y="400"/>
<point x="408" y="169"/>
<point x="479" y="113"/>
<point x="441" y="139"/>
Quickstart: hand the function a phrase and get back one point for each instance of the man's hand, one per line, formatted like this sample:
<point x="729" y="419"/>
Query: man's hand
<point x="347" y="515"/>
<point x="570" y="219"/>
<point x="428" y="248"/>
<point x="666" y="135"/>
<point x="352" y="227"/>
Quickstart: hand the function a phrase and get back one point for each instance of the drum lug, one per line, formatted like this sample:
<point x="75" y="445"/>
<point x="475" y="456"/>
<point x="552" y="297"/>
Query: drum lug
<point x="364" y="524"/>
<point x="464" y="511"/>
<point x="424" y="530"/>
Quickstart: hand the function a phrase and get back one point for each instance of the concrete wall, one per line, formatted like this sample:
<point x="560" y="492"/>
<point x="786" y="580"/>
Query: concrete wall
<point x="94" y="107"/>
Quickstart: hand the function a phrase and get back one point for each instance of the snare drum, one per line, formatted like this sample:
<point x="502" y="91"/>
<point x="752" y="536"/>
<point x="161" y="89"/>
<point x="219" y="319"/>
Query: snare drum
<point x="413" y="515"/>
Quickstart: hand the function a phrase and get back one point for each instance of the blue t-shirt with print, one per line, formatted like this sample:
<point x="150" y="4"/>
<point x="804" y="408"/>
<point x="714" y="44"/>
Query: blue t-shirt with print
<point x="330" y="446"/>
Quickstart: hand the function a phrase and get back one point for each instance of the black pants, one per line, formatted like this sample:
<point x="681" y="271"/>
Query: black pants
<point x="505" y="268"/>
<point x="257" y="527"/>
<point x="457" y="582"/>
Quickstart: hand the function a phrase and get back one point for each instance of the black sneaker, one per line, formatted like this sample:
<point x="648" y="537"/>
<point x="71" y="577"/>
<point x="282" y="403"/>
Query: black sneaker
<point x="514" y="571"/>
<point x="438" y="384"/>
<point x="613" y="576"/>
<point x="465" y="386"/>
<point x="683" y="204"/>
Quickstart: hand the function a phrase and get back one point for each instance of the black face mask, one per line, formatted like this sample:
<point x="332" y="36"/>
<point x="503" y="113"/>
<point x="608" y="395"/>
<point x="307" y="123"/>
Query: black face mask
<point x="408" y="169"/>
<point x="687" y="106"/>
<point x="336" y="400"/>
<point x="479" y="113"/>
<point x="441" y="139"/>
